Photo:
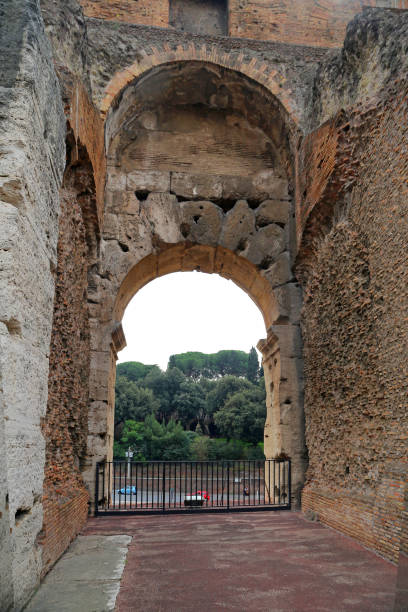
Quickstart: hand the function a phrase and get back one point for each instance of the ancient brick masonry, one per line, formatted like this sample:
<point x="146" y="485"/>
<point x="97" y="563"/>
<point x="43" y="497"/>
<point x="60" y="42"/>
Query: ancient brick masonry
<point x="313" y="23"/>
<point x="355" y="336"/>
<point x="65" y="426"/>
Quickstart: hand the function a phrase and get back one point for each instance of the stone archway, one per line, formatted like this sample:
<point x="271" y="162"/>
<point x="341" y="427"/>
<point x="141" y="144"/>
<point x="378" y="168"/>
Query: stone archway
<point x="199" y="177"/>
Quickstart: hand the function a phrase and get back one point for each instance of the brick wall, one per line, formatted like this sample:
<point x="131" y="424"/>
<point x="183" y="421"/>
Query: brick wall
<point x="315" y="23"/>
<point x="355" y="333"/>
<point x="301" y="22"/>
<point x="65" y="426"/>
<point x="63" y="519"/>
<point x="143" y="12"/>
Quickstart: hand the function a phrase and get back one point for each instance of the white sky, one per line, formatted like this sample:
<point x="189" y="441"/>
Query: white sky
<point x="189" y="311"/>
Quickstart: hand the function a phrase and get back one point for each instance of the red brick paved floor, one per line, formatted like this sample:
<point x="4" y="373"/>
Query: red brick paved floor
<point x="264" y="561"/>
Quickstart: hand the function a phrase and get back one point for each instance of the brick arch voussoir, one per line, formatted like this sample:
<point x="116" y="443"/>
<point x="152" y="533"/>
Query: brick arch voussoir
<point x="184" y="257"/>
<point x="258" y="71"/>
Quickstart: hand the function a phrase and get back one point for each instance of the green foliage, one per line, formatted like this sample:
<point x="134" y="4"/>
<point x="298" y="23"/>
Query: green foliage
<point x="253" y="366"/>
<point x="243" y="415"/>
<point x="165" y="386"/>
<point x="197" y="365"/>
<point x="135" y="371"/>
<point x="223" y="389"/>
<point x="151" y="440"/>
<point x="189" y="404"/>
<point x="182" y="414"/>
<point x="133" y="401"/>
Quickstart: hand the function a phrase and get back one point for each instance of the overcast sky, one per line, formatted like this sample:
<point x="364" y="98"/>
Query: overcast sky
<point x="189" y="311"/>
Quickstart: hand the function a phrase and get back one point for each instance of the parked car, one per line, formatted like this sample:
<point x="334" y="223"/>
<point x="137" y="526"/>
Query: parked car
<point x="196" y="499"/>
<point x="204" y="494"/>
<point x="127" y="491"/>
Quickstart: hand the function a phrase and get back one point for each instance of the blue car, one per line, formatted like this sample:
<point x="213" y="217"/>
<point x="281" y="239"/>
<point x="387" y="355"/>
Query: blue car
<point x="127" y="491"/>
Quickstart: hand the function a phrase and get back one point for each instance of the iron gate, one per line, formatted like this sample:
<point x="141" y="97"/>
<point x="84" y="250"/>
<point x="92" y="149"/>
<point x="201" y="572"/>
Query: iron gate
<point x="191" y="486"/>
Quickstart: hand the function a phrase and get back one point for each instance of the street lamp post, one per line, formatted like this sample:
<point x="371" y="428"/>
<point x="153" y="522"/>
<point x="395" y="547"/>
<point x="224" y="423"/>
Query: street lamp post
<point x="129" y="455"/>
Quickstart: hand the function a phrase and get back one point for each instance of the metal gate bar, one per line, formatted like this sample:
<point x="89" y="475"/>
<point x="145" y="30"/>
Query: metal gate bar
<point x="151" y="487"/>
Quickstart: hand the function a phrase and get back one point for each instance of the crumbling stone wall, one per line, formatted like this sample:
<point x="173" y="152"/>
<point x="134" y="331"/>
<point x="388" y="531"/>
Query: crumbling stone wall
<point x="32" y="159"/>
<point x="353" y="264"/>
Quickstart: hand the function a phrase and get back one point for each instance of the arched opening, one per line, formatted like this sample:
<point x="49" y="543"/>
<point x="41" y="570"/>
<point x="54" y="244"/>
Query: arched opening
<point x="190" y="331"/>
<point x="200" y="178"/>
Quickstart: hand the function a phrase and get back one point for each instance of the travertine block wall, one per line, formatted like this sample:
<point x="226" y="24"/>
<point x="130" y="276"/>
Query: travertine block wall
<point x="32" y="156"/>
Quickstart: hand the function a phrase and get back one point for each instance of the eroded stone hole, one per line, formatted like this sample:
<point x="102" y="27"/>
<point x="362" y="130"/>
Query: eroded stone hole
<point x="21" y="514"/>
<point x="253" y="204"/>
<point x="265" y="263"/>
<point x="184" y="229"/>
<point x="123" y="246"/>
<point x="242" y="245"/>
<point x="13" y="326"/>
<point x="225" y="204"/>
<point x="141" y="194"/>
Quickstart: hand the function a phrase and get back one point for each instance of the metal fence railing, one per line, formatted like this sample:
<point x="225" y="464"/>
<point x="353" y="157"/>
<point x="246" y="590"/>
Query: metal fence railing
<point x="191" y="486"/>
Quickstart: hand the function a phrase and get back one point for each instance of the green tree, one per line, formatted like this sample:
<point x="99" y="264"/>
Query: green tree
<point x="243" y="416"/>
<point x="189" y="404"/>
<point x="165" y="386"/>
<point x="253" y="366"/>
<point x="135" y="371"/>
<point x="152" y="440"/>
<point x="132" y="401"/>
<point x="226" y="386"/>
<point x="200" y="448"/>
<point x="197" y="365"/>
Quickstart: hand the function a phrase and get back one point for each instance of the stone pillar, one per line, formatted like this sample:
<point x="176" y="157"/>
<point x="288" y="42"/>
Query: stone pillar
<point x="102" y="406"/>
<point x="284" y="425"/>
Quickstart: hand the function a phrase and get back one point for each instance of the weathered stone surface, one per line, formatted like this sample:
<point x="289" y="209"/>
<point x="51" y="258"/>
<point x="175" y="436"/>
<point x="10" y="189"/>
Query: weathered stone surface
<point x="87" y="577"/>
<point x="272" y="211"/>
<point x="280" y="272"/>
<point x="162" y="212"/>
<point x="32" y="158"/>
<point x="289" y="298"/>
<point x="147" y="180"/>
<point x="197" y="185"/>
<point x="372" y="57"/>
<point x="122" y="202"/>
<point x="238" y="227"/>
<point x="201" y="222"/>
<point x="267" y="184"/>
<point x="266" y="244"/>
<point x="237" y="187"/>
